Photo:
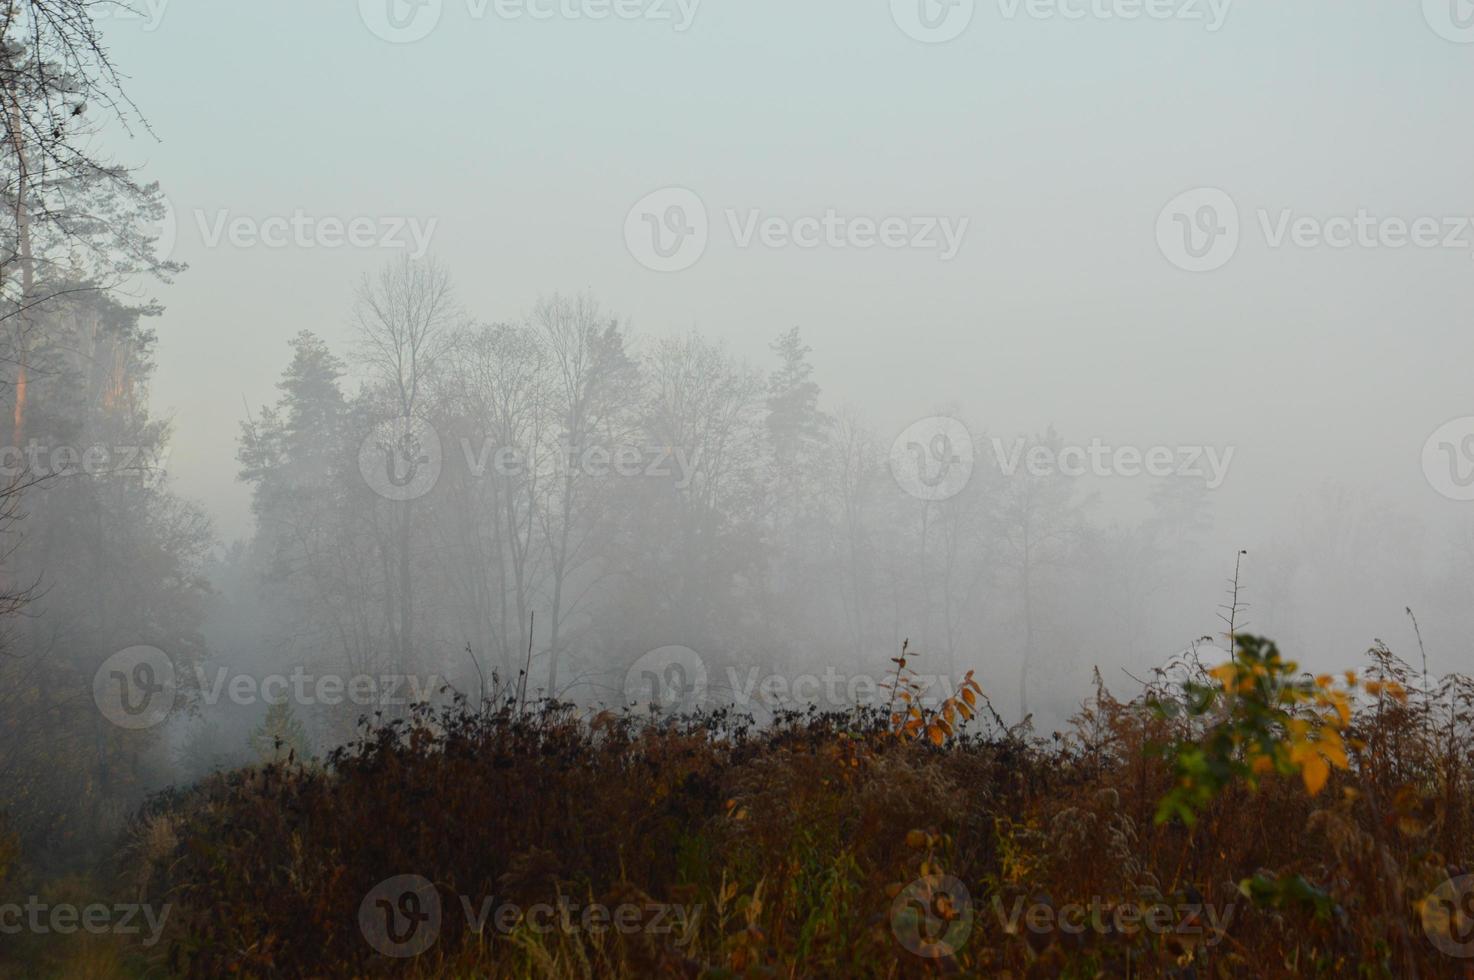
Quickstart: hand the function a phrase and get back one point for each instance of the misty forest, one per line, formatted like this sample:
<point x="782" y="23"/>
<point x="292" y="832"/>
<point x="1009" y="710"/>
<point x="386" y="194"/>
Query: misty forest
<point x="590" y="577"/>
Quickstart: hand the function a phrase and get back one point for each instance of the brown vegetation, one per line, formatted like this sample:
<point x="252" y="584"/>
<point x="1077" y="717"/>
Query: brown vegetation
<point x="828" y="844"/>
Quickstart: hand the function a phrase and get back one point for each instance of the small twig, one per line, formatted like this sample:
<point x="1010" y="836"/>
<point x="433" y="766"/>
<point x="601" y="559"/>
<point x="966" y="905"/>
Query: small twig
<point x="480" y="678"/>
<point x="527" y="671"/>
<point x="896" y="683"/>
<point x="1233" y="608"/>
<point x="1427" y="702"/>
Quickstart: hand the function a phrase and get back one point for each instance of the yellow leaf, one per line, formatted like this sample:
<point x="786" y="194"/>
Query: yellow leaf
<point x="1315" y="771"/>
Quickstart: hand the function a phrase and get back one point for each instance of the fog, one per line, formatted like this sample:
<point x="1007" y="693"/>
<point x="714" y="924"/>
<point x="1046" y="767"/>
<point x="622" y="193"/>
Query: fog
<point x="664" y="351"/>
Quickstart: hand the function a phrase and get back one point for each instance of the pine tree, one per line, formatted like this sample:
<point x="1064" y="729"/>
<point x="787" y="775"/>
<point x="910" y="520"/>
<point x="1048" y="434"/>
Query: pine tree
<point x="294" y="446"/>
<point x="794" y="419"/>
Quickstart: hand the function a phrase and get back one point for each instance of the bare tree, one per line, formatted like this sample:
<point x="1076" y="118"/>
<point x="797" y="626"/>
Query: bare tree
<point x="592" y="385"/>
<point x="405" y="319"/>
<point x="707" y="405"/>
<point x="498" y="395"/>
<point x="853" y="482"/>
<point x="1040" y="520"/>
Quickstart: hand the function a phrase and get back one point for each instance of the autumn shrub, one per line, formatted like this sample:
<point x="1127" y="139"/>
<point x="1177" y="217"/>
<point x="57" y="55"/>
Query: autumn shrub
<point x="1273" y="824"/>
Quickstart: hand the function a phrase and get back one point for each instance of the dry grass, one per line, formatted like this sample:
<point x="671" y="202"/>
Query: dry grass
<point x="797" y="850"/>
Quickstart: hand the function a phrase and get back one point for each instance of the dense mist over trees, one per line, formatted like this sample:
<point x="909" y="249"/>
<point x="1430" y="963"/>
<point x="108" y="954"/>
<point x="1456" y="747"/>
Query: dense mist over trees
<point x="461" y="501"/>
<point x="97" y="548"/>
<point x="449" y="506"/>
<point x="656" y="526"/>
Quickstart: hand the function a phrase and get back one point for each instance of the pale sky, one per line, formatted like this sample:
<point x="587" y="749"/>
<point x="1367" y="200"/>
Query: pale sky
<point x="1060" y="141"/>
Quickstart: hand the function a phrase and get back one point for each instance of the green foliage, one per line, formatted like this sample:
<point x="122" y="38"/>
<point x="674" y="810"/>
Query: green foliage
<point x="1291" y="892"/>
<point x="1261" y="717"/>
